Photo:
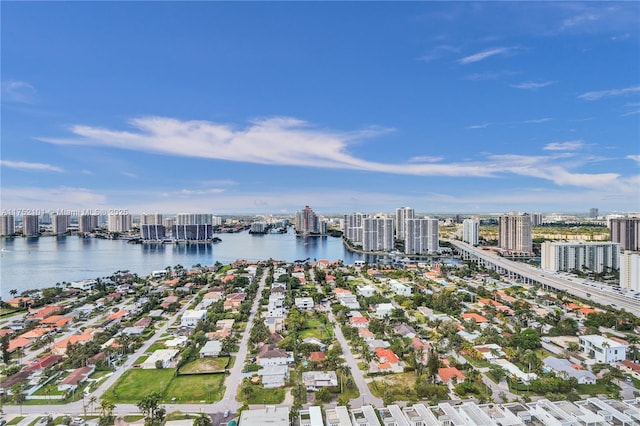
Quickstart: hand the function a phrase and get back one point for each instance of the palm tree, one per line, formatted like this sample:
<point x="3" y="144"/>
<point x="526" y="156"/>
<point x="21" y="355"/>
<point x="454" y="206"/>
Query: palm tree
<point x="13" y="292"/>
<point x="92" y="402"/>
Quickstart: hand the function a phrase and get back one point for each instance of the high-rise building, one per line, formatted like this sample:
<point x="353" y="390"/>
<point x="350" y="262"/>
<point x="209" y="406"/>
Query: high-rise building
<point x="30" y="225"/>
<point x="536" y="219"/>
<point x="353" y="227"/>
<point x="626" y="231"/>
<point x="119" y="222"/>
<point x="152" y="232"/>
<point x="88" y="222"/>
<point x="192" y="232"/>
<point x="402" y="214"/>
<point x="377" y="234"/>
<point x="197" y="219"/>
<point x="514" y="232"/>
<point x="151" y="219"/>
<point x="421" y="236"/>
<point x="581" y="256"/>
<point x="630" y="270"/>
<point x="307" y="222"/>
<point x="60" y="223"/>
<point x="593" y="213"/>
<point x="7" y="225"/>
<point x="471" y="231"/>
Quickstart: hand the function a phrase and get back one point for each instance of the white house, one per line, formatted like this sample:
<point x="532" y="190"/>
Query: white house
<point x="191" y="317"/>
<point x="383" y="309"/>
<point x="564" y="368"/>
<point x="273" y="376"/>
<point x="366" y="290"/>
<point x="211" y="349"/>
<point x="271" y="355"/>
<point x="304" y="303"/>
<point x="314" y="380"/>
<point x="401" y="289"/>
<point x="602" y="349"/>
<point x="163" y="355"/>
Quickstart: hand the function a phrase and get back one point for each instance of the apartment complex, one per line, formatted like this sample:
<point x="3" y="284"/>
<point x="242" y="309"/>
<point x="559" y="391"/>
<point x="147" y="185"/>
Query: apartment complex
<point x="402" y="215"/>
<point x="514" y="232"/>
<point x="119" y="222"/>
<point x="30" y="225"/>
<point x="7" y="224"/>
<point x="471" y="231"/>
<point x="352" y="227"/>
<point x="630" y="270"/>
<point x="421" y="236"/>
<point x="87" y="222"/>
<point x="581" y="255"/>
<point x="151" y="219"/>
<point x="307" y="222"/>
<point x="152" y="232"/>
<point x="377" y="234"/>
<point x="626" y="231"/>
<point x="197" y="219"/>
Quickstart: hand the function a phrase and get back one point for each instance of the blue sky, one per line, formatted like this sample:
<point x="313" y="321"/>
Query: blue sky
<point x="266" y="107"/>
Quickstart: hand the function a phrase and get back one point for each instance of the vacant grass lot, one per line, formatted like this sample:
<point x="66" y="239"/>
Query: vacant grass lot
<point x="136" y="383"/>
<point x="399" y="387"/>
<point x="205" y="365"/>
<point x="195" y="388"/>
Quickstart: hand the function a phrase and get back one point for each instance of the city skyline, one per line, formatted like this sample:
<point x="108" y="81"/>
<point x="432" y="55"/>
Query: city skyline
<point x="347" y="107"/>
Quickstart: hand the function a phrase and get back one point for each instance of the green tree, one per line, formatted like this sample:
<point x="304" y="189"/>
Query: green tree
<point x="202" y="420"/>
<point x="153" y="412"/>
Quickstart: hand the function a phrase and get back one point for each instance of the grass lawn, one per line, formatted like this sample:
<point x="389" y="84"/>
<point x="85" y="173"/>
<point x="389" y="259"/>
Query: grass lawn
<point x="49" y="390"/>
<point x="205" y="365"/>
<point x="99" y="374"/>
<point x="133" y="418"/>
<point x="599" y="388"/>
<point x="478" y="363"/>
<point x="265" y="396"/>
<point x="136" y="383"/>
<point x="15" y="420"/>
<point x="156" y="346"/>
<point x="142" y="359"/>
<point x="195" y="388"/>
<point x="179" y="415"/>
<point x="400" y="386"/>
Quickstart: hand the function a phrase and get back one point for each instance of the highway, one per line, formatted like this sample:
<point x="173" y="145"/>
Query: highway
<point x="547" y="278"/>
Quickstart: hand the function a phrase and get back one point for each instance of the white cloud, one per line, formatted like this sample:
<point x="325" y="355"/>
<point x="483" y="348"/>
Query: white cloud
<point x="52" y="198"/>
<point x="130" y="175"/>
<point x="479" y="126"/>
<point x="635" y="158"/>
<point x="476" y="57"/>
<point x="18" y="91"/>
<point x="531" y="85"/>
<point x="538" y="120"/>
<point x="292" y="142"/>
<point x="564" y="146"/>
<point x="23" y="165"/>
<point x="592" y="96"/>
<point x="425" y="159"/>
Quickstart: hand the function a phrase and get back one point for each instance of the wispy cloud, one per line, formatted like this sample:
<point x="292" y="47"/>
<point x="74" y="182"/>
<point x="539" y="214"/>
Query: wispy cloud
<point x="538" y="120"/>
<point x="18" y="91"/>
<point x="438" y="52"/>
<point x="425" y="159"/>
<point x="592" y="96"/>
<point x="35" y="167"/>
<point x="635" y="158"/>
<point x="490" y="75"/>
<point x="292" y="142"/>
<point x="480" y="56"/>
<point x="479" y="126"/>
<point x="130" y="175"/>
<point x="531" y="85"/>
<point x="564" y="146"/>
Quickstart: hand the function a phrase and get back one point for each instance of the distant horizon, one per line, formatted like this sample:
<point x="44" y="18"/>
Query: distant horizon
<point x="349" y="106"/>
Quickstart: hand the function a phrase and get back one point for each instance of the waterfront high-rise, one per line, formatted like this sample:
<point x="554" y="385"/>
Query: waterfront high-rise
<point x="151" y="219"/>
<point x="7" y="225"/>
<point x="119" y="222"/>
<point x="152" y="232"/>
<point x="377" y="234"/>
<point x="593" y="213"/>
<point x="30" y="225"/>
<point x="60" y="223"/>
<point x="514" y="232"/>
<point x="421" y="236"/>
<point x="353" y="227"/>
<point x="471" y="231"/>
<point x="581" y="256"/>
<point x="402" y="214"/>
<point x="626" y="231"/>
<point x="307" y="222"/>
<point x="536" y="219"/>
<point x="192" y="232"/>
<point x="630" y="270"/>
<point x="88" y="222"/>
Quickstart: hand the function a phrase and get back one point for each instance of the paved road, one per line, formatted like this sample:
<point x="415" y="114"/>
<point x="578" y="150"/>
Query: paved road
<point x="556" y="281"/>
<point x="234" y="379"/>
<point x="366" y="397"/>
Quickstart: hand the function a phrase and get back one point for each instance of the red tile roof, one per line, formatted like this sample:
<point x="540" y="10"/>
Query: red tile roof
<point x="446" y="374"/>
